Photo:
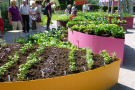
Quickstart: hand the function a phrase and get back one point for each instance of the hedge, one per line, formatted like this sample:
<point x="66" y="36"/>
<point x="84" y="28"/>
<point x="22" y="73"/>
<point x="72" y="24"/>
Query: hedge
<point x="96" y="7"/>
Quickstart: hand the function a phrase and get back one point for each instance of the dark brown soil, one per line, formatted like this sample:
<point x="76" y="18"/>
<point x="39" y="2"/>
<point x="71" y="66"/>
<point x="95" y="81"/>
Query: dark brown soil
<point x="6" y="51"/>
<point x="54" y="63"/>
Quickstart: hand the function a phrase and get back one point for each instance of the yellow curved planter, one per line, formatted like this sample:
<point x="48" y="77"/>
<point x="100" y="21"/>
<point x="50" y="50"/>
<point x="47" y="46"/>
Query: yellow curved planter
<point x="102" y="78"/>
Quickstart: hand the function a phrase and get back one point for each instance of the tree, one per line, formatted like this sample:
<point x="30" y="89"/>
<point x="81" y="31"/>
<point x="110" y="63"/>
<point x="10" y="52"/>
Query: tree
<point x="108" y="6"/>
<point x="130" y="6"/>
<point x="121" y="16"/>
<point x="124" y="6"/>
<point x="112" y="8"/>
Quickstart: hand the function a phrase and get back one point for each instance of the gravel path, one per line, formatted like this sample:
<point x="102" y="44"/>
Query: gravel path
<point x="127" y="70"/>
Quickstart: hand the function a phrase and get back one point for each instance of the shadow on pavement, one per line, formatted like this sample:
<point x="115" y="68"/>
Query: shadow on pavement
<point x="129" y="58"/>
<point x="120" y="87"/>
<point x="128" y="32"/>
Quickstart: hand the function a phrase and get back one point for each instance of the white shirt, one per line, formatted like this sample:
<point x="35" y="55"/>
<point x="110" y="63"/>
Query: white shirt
<point x="24" y="10"/>
<point x="85" y="7"/>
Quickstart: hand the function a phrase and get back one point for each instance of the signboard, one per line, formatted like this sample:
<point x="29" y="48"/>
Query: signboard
<point x="80" y="2"/>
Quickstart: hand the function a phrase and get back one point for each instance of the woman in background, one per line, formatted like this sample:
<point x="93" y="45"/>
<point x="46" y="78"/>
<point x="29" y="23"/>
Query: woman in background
<point x="37" y="11"/>
<point x="14" y="16"/>
<point x="67" y="11"/>
<point x="32" y="18"/>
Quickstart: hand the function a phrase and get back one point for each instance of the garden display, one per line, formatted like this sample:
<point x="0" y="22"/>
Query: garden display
<point x="94" y="31"/>
<point x="28" y="62"/>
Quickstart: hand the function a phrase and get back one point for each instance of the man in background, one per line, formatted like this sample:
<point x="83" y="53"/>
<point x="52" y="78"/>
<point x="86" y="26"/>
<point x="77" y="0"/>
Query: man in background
<point x="85" y="7"/>
<point x="25" y="11"/>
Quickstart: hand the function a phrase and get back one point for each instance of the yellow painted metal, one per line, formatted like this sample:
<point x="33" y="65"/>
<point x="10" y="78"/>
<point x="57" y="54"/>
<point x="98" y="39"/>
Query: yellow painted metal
<point x="99" y="79"/>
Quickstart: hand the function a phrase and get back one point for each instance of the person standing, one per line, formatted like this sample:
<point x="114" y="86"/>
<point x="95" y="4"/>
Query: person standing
<point x="25" y="11"/>
<point x="32" y="18"/>
<point x="67" y="11"/>
<point x="85" y="7"/>
<point x="37" y="11"/>
<point x="49" y="10"/>
<point x="14" y="16"/>
<point x="1" y="24"/>
<point x="73" y="10"/>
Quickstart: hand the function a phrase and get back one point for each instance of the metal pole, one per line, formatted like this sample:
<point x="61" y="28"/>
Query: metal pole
<point x="121" y="16"/>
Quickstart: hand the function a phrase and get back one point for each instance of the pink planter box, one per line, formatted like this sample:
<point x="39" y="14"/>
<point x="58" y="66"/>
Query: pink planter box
<point x="128" y="19"/>
<point x="97" y="43"/>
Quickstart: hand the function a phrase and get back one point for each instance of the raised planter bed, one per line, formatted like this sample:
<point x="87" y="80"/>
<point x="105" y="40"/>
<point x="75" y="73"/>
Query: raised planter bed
<point x="62" y="23"/>
<point x="129" y="20"/>
<point x="97" y="43"/>
<point x="103" y="76"/>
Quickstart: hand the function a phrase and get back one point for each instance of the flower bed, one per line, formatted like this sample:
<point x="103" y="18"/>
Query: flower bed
<point x="40" y="62"/>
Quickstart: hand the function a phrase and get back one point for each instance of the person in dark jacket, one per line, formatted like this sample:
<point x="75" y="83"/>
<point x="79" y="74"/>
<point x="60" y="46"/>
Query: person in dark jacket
<point x="49" y="10"/>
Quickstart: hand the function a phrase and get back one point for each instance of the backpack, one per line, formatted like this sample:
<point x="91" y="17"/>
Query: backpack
<point x="44" y="11"/>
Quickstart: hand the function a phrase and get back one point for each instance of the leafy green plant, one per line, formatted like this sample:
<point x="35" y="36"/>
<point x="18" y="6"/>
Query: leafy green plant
<point x="23" y="69"/>
<point x="75" y="27"/>
<point x="117" y="32"/>
<point x="41" y="49"/>
<point x="82" y="28"/>
<point x="26" y="47"/>
<point x="114" y="55"/>
<point x="123" y="21"/>
<point x="99" y="30"/>
<point x="64" y="18"/>
<point x="89" y="58"/>
<point x="106" y="56"/>
<point x="72" y="60"/>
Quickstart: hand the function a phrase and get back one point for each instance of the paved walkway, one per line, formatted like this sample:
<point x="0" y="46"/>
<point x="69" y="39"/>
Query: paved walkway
<point x="127" y="70"/>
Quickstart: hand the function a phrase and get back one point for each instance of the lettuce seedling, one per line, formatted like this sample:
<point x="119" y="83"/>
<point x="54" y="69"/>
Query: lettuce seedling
<point x="114" y="55"/>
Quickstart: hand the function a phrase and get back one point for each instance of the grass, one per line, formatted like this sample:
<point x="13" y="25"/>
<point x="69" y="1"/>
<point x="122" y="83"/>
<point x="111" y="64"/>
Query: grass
<point x="44" y="19"/>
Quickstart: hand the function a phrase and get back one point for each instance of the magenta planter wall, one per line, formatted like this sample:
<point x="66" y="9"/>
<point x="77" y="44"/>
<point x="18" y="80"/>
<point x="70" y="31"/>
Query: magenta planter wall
<point x="97" y="43"/>
<point x="128" y="19"/>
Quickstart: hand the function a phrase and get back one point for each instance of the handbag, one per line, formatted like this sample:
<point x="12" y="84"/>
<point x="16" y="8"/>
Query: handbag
<point x="38" y="18"/>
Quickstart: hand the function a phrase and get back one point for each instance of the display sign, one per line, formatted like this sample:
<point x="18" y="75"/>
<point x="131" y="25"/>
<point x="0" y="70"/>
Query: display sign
<point x="80" y="2"/>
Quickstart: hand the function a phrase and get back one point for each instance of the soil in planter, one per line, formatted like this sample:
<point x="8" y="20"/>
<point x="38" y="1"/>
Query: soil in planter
<point x="54" y="63"/>
<point x="13" y="70"/>
<point x="6" y="51"/>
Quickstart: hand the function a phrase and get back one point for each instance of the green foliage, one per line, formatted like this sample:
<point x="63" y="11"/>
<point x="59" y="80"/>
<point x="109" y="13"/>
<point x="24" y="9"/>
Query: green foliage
<point x="101" y="29"/>
<point x="75" y="27"/>
<point x="7" y="65"/>
<point x="41" y="49"/>
<point x="64" y="18"/>
<point x="89" y="58"/>
<point x="72" y="60"/>
<point x="26" y="47"/>
<point x="23" y="69"/>
<point x="106" y="56"/>
<point x="117" y="32"/>
<point x="114" y="55"/>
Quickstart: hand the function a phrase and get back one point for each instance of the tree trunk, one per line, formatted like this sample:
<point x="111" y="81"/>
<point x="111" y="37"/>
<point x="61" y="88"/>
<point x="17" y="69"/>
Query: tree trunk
<point x="121" y="16"/>
<point x="108" y="6"/>
<point x="112" y="8"/>
<point x="130" y="8"/>
<point x="124" y="6"/>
